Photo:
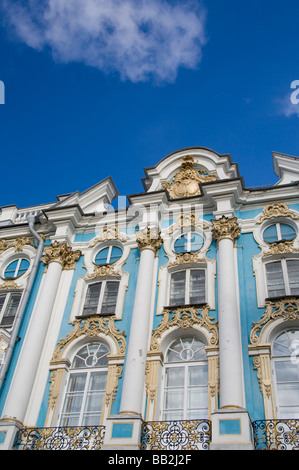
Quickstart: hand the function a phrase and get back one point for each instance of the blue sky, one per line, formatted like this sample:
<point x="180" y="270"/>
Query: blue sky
<point x="99" y="88"/>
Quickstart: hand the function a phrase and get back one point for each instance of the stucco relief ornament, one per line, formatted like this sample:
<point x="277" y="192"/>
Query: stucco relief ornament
<point x="149" y="239"/>
<point x="59" y="252"/>
<point x="225" y="228"/>
<point x="186" y="182"/>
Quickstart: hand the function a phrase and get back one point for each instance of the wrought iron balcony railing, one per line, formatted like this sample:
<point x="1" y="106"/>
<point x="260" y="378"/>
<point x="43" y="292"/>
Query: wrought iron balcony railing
<point x="60" y="438"/>
<point x="176" y="435"/>
<point x="276" y="434"/>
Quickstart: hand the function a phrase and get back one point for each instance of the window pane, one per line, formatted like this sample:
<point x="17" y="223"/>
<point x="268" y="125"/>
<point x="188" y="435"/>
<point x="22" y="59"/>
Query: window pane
<point x="24" y="265"/>
<point x="196" y="241"/>
<point x="180" y="245"/>
<point x="110" y="297"/>
<point x="175" y="376"/>
<point x="92" y="299"/>
<point x="92" y="355"/>
<point x="287" y="232"/>
<point x="174" y="398"/>
<point x="270" y="234"/>
<point x="275" y="282"/>
<point x="10" y="271"/>
<point x="116" y="253"/>
<point x="197" y="286"/>
<point x="102" y="256"/>
<point x="286" y="371"/>
<point x="198" y="375"/>
<point x="293" y="273"/>
<point x="177" y="288"/>
<point x="11" y="309"/>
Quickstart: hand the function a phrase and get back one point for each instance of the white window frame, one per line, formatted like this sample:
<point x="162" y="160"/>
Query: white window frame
<point x="184" y="365"/>
<point x="285" y="275"/>
<point x="281" y="358"/>
<point x="8" y="295"/>
<point x="81" y="292"/>
<point x="187" y="284"/>
<point x="103" y="283"/>
<point x="87" y="371"/>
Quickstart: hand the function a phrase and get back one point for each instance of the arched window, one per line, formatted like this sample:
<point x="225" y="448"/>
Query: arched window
<point x="285" y="356"/>
<point x="16" y="268"/>
<point x="84" y="397"/>
<point x="186" y="380"/>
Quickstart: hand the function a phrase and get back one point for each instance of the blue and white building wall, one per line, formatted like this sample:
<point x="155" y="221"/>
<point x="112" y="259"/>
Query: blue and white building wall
<point x="181" y="306"/>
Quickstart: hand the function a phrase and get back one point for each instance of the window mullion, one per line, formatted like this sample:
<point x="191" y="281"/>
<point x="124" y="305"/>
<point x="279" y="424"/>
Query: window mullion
<point x="84" y="399"/>
<point x="101" y="296"/>
<point x="285" y="276"/>
<point x="5" y="305"/>
<point x="187" y="286"/>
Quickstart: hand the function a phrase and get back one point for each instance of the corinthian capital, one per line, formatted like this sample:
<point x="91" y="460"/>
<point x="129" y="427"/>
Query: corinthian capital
<point x="225" y="228"/>
<point x="149" y="239"/>
<point x="59" y="252"/>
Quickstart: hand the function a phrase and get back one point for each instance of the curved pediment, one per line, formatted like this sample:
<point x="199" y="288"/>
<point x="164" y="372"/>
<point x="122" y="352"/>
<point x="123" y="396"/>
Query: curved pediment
<point x="181" y="173"/>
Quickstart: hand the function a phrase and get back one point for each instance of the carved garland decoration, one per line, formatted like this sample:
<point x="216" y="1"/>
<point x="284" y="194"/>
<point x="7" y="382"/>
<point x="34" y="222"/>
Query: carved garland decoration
<point x="286" y="308"/>
<point x="277" y="210"/>
<point x="18" y="244"/>
<point x="185" y="318"/>
<point x="90" y="327"/>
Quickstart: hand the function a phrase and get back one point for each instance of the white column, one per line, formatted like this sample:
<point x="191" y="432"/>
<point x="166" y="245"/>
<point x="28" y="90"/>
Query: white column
<point x="134" y="374"/>
<point x="230" y="351"/>
<point x="57" y="257"/>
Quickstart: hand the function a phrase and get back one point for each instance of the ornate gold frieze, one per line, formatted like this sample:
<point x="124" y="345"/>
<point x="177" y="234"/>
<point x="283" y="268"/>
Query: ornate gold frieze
<point x="103" y="271"/>
<point x="59" y="252"/>
<point x="186" y="258"/>
<point x="186" y="182"/>
<point x="281" y="247"/>
<point x="285" y="308"/>
<point x="109" y="233"/>
<point x="18" y="244"/>
<point x="9" y="285"/>
<point x="91" y="327"/>
<point x="225" y="228"/>
<point x="185" y="318"/>
<point x="149" y="239"/>
<point x="277" y="210"/>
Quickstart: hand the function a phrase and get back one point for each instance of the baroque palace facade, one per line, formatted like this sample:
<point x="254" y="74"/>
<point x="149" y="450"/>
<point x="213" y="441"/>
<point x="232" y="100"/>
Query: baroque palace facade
<point x="169" y="322"/>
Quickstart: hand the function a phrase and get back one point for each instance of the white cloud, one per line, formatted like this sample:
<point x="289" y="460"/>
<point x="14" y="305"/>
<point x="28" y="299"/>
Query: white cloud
<point x="139" y="39"/>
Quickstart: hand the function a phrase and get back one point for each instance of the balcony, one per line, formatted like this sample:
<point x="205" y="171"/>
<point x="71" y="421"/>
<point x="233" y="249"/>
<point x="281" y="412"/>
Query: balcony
<point x="60" y="438"/>
<point x="276" y="434"/>
<point x="176" y="435"/>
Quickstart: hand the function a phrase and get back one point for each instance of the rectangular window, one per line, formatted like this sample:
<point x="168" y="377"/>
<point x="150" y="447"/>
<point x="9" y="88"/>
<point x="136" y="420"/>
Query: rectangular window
<point x="101" y="298"/>
<point x="282" y="278"/>
<point x="187" y="287"/>
<point x="9" y="303"/>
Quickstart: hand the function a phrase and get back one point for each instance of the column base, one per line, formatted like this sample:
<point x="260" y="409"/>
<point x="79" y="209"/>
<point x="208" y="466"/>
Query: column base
<point x="8" y="430"/>
<point x="231" y="430"/>
<point x="123" y="432"/>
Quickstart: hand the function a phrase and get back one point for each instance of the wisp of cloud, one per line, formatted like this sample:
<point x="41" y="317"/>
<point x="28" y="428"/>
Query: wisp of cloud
<point x="139" y="39"/>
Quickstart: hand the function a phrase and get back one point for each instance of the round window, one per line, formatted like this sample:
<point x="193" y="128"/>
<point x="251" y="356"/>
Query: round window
<point x="16" y="268"/>
<point x="278" y="232"/>
<point x="188" y="242"/>
<point x="108" y="255"/>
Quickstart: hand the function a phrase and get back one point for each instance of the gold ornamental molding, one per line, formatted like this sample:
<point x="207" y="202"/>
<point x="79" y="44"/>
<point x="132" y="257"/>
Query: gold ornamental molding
<point x="281" y="247"/>
<point x="9" y="285"/>
<point x="109" y="233"/>
<point x="225" y="228"/>
<point x="18" y="244"/>
<point x="277" y="210"/>
<point x="186" y="258"/>
<point x="149" y="239"/>
<point x="186" y="182"/>
<point x="103" y="271"/>
<point x="286" y="308"/>
<point x="185" y="318"/>
<point x="59" y="252"/>
<point x="188" y="219"/>
<point x="90" y="327"/>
